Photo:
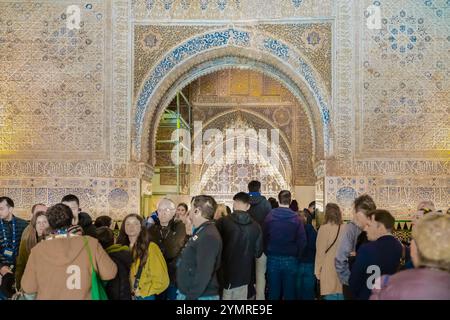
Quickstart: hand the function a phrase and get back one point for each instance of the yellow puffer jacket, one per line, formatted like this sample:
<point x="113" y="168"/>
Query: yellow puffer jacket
<point x="154" y="278"/>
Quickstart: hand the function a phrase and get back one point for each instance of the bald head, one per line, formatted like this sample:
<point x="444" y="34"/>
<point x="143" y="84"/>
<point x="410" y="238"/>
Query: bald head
<point x="166" y="211"/>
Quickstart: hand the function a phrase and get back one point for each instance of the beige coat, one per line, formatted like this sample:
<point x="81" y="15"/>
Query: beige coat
<point x="325" y="270"/>
<point x="59" y="268"/>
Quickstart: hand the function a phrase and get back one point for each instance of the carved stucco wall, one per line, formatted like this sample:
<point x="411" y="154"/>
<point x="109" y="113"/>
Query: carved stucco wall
<point x="392" y="105"/>
<point x="229" y="9"/>
<point x="63" y="121"/>
<point x="217" y="48"/>
<point x="69" y="125"/>
<point x="389" y="112"/>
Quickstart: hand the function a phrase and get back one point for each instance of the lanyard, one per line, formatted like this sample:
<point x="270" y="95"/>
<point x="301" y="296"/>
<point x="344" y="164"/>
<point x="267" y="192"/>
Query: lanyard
<point x="5" y="238"/>
<point x="197" y="231"/>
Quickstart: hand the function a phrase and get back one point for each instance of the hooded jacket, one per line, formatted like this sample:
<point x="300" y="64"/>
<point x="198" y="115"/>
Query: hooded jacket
<point x="242" y="243"/>
<point x="85" y="222"/>
<point x="119" y="287"/>
<point x="259" y="207"/>
<point x="59" y="268"/>
<point x="284" y="233"/>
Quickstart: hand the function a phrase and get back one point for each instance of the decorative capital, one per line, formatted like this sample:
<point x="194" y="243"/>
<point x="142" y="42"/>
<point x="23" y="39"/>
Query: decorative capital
<point x="141" y="170"/>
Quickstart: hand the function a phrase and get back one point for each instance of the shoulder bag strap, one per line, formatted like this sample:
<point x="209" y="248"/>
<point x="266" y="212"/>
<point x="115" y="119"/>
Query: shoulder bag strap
<point x="86" y="244"/>
<point x="335" y="239"/>
<point x="138" y="276"/>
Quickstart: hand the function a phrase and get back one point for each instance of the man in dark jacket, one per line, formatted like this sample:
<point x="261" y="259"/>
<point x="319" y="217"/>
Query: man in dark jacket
<point x="259" y="209"/>
<point x="200" y="259"/>
<point x="82" y="219"/>
<point x="170" y="235"/>
<point x="242" y="243"/>
<point x="379" y="257"/>
<point x="11" y="229"/>
<point x="310" y="212"/>
<point x="430" y="253"/>
<point x="284" y="241"/>
<point x="85" y="222"/>
<point x="352" y="237"/>
<point x="118" y="288"/>
<point x="259" y="205"/>
<point x="306" y="280"/>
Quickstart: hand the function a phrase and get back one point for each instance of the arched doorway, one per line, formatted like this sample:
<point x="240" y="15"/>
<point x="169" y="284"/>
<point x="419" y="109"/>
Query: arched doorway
<point x="272" y="168"/>
<point x="248" y="103"/>
<point x="225" y="49"/>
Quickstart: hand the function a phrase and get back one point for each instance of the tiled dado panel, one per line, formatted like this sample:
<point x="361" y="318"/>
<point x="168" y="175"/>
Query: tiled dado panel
<point x="101" y="196"/>
<point x="399" y="195"/>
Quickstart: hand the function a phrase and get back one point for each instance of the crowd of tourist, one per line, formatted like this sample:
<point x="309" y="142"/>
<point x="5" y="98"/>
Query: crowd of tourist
<point x="261" y="249"/>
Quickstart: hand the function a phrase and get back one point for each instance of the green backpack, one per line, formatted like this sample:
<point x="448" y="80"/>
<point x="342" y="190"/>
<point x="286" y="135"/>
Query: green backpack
<point x="97" y="290"/>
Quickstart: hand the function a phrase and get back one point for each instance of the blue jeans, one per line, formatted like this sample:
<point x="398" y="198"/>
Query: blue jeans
<point x="306" y="282"/>
<point x="169" y="294"/>
<point x="334" y="296"/>
<point x="181" y="296"/>
<point x="281" y="276"/>
<point x="153" y="297"/>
